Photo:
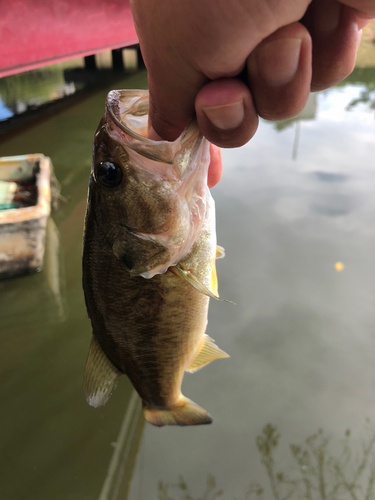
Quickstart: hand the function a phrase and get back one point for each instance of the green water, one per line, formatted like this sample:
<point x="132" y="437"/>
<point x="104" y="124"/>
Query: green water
<point x="53" y="445"/>
<point x="34" y="88"/>
<point x="291" y="204"/>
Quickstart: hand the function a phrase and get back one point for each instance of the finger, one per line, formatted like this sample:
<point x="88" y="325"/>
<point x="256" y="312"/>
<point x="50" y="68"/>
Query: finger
<point x="280" y="72"/>
<point x="225" y="113"/>
<point x="216" y="166"/>
<point x="365" y="8"/>
<point x="171" y="107"/>
<point x="335" y="37"/>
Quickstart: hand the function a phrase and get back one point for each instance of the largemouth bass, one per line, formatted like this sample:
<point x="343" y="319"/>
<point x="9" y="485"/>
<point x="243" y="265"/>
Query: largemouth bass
<point x="148" y="262"/>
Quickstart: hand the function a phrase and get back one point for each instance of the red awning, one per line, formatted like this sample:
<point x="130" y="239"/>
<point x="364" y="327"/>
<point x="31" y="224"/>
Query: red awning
<point x="35" y="33"/>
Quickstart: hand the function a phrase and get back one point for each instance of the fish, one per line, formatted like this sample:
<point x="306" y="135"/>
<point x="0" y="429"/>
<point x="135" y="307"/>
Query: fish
<point x="149" y="262"/>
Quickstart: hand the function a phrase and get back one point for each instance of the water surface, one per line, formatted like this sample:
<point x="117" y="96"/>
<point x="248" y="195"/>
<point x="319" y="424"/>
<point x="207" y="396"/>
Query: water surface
<point x="295" y="201"/>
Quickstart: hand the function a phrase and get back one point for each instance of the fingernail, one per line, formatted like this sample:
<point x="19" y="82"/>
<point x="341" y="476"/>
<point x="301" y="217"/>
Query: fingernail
<point x="328" y="18"/>
<point x="226" y="117"/>
<point x="278" y="61"/>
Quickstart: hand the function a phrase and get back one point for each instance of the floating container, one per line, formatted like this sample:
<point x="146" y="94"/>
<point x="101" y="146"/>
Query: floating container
<point x="25" y="204"/>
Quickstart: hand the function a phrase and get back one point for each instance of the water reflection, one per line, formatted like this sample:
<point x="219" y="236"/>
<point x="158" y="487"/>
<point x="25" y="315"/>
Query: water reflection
<point x="60" y="446"/>
<point x="364" y="80"/>
<point x="48" y="297"/>
<point x="332" y="204"/>
<point x="321" y="469"/>
<point x="330" y="177"/>
<point x="308" y="113"/>
<point x="360" y="85"/>
<point x="27" y="91"/>
<point x="4" y="111"/>
<point x="301" y="337"/>
<point x="121" y="467"/>
<point x="53" y="267"/>
<point x="211" y="491"/>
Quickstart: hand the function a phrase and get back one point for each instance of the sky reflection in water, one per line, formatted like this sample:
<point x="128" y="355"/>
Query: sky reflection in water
<point x="292" y="203"/>
<point x="301" y="337"/>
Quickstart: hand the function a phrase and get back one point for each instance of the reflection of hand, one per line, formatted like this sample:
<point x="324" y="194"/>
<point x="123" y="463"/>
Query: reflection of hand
<point x="194" y="49"/>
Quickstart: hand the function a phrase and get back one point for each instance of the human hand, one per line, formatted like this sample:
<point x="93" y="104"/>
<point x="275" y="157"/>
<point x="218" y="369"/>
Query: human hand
<point x="194" y="51"/>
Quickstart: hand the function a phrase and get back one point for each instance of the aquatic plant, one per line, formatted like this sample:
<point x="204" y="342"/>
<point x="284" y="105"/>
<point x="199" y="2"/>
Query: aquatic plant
<point x="211" y="492"/>
<point x="317" y="472"/>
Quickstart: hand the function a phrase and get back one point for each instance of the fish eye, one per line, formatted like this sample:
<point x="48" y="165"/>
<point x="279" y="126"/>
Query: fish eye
<point x="108" y="174"/>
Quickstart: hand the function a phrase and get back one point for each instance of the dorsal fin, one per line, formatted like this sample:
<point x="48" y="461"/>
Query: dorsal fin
<point x="101" y="376"/>
<point x="208" y="351"/>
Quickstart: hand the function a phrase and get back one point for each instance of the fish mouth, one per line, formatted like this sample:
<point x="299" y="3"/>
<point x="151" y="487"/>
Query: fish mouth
<point x="185" y="179"/>
<point x="128" y="111"/>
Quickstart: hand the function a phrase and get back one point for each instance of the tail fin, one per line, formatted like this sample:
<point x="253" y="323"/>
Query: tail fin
<point x="185" y="412"/>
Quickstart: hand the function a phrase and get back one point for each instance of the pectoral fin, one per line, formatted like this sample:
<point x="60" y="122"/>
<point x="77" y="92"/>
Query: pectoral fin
<point x="220" y="252"/>
<point x="101" y="376"/>
<point x="194" y="282"/>
<point x="214" y="282"/>
<point x="208" y="351"/>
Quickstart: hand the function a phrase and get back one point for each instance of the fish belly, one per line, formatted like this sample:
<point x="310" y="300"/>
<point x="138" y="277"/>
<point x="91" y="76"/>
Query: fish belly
<point x="150" y="330"/>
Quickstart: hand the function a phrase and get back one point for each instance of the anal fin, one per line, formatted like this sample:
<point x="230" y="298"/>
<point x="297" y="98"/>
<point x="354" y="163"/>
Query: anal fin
<point x="101" y="376"/>
<point x="207" y="352"/>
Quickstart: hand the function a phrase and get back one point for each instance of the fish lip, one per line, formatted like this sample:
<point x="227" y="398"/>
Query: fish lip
<point x="110" y="108"/>
<point x="166" y="150"/>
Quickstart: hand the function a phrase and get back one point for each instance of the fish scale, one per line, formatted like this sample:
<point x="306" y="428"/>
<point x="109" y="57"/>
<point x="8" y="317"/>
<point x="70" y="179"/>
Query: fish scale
<point x="147" y="292"/>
